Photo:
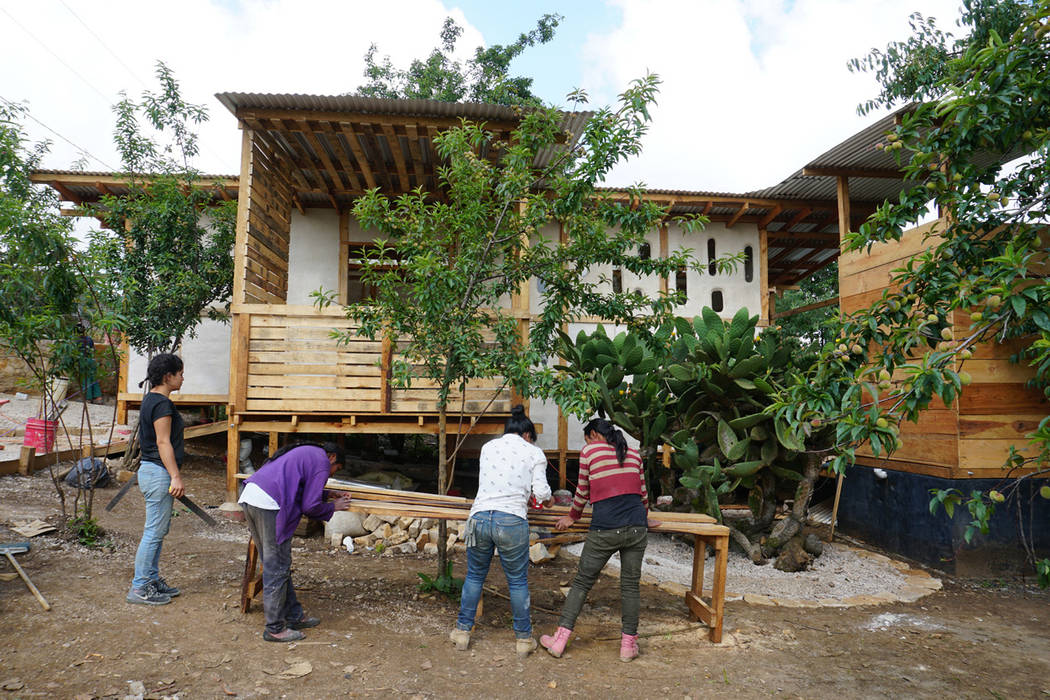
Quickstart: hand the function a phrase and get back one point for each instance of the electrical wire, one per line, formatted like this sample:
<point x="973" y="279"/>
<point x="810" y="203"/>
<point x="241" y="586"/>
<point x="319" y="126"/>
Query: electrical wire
<point x="79" y="148"/>
<point x="132" y="73"/>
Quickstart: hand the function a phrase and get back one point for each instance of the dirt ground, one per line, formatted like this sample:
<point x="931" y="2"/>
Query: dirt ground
<point x="381" y="638"/>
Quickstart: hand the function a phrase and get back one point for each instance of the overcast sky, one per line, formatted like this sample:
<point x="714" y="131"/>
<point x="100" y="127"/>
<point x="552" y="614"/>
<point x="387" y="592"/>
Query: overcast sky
<point x="752" y="89"/>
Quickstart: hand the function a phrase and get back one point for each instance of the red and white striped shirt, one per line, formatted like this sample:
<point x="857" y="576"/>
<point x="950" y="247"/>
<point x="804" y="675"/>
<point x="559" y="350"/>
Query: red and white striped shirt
<point x="602" y="476"/>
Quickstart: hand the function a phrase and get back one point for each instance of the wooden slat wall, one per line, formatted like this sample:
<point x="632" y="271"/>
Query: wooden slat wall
<point x="295" y="366"/>
<point x="997" y="410"/>
<point x="931" y="445"/>
<point x="268" y="224"/>
<point x="971" y="438"/>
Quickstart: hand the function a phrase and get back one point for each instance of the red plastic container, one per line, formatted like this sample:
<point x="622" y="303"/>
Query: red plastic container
<point x="40" y="434"/>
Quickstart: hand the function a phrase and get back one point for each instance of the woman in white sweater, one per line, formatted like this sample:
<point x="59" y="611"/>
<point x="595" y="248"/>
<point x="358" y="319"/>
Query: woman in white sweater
<point x="512" y="468"/>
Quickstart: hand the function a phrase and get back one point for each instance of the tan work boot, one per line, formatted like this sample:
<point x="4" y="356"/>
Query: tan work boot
<point x="461" y="638"/>
<point x="524" y="647"/>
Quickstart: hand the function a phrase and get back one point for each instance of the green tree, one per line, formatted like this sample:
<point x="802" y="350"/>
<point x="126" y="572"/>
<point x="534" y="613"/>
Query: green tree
<point x="166" y="249"/>
<point x="483" y="78"/>
<point x="447" y="265"/>
<point x="987" y="94"/>
<point x="804" y="333"/>
<point x="45" y="289"/>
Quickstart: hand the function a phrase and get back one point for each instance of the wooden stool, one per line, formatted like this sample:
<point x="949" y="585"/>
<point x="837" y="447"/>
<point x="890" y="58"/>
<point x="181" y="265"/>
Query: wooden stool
<point x="251" y="585"/>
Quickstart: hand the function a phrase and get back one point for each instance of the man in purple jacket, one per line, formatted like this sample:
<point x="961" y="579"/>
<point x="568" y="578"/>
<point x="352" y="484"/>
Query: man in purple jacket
<point x="284" y="489"/>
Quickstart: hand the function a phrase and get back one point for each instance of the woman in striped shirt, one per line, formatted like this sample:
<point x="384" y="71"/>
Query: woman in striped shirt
<point x="612" y="480"/>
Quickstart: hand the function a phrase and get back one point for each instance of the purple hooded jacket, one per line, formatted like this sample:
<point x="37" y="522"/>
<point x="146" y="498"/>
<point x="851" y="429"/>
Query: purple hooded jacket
<point x="296" y="481"/>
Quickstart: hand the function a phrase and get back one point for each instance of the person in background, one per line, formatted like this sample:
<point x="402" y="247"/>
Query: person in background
<point x="160" y="439"/>
<point x="511" y="469"/>
<point x="613" y="481"/>
<point x="89" y="385"/>
<point x="289" y="486"/>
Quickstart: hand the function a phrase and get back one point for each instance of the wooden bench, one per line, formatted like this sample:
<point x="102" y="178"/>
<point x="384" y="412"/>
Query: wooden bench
<point x="703" y="528"/>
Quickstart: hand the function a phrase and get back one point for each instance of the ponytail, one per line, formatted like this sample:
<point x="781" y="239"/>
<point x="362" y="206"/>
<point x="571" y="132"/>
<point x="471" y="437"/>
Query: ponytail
<point x="611" y="435"/>
<point x="519" y="423"/>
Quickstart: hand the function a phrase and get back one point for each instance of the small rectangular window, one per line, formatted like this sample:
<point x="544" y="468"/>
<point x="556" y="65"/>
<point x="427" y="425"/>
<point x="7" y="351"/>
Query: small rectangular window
<point x="749" y="264"/>
<point x="617" y="281"/>
<point x="712" y="268"/>
<point x="680" y="283"/>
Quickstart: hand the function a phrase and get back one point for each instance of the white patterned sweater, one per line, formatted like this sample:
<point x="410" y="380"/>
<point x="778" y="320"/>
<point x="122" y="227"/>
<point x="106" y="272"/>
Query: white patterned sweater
<point x="511" y="469"/>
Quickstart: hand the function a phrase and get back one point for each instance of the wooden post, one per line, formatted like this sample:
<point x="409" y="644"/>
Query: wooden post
<point x="386" y="357"/>
<point x="244" y="195"/>
<point x="271" y="447"/>
<point x="664" y="252"/>
<point x="122" y="383"/>
<point x="842" y="193"/>
<point x="344" y="255"/>
<point x="766" y="317"/>
<point x="563" y="448"/>
<point x="25" y="460"/>
<point x="519" y="304"/>
<point x="233" y="448"/>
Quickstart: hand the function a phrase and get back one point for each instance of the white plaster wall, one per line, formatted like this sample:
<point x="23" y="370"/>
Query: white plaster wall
<point x="206" y="359"/>
<point x="736" y="292"/>
<point x="313" y="254"/>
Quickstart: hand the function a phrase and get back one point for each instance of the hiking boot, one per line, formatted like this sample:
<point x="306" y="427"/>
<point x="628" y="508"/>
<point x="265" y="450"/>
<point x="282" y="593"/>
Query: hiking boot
<point x="461" y="638"/>
<point x="148" y="595"/>
<point x="628" y="646"/>
<point x="163" y="587"/>
<point x="304" y="622"/>
<point x="556" y="644"/>
<point x="524" y="647"/>
<point x="285" y="635"/>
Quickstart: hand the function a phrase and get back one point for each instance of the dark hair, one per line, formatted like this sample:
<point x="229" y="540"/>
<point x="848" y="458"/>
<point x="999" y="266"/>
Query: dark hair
<point x="519" y="423"/>
<point x="161" y="366"/>
<point x="331" y="448"/>
<point x="611" y="435"/>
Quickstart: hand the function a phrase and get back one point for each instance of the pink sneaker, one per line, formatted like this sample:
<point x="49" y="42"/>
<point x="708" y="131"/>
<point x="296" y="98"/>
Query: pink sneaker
<point x="628" y="646"/>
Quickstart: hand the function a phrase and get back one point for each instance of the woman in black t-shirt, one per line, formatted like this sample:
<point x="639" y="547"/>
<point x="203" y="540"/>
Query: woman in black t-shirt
<point x="160" y="437"/>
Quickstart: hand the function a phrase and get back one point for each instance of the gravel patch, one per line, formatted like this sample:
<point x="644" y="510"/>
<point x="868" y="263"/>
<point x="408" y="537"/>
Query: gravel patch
<point x="837" y="574"/>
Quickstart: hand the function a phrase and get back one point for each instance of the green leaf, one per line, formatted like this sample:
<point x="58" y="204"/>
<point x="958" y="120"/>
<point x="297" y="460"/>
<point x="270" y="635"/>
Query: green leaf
<point x="726" y="437"/>
<point x="743" y="469"/>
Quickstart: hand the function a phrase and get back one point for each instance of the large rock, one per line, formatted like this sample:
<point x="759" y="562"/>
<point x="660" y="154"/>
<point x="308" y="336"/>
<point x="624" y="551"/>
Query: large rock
<point x="344" y="523"/>
<point x="538" y="553"/>
<point x="371" y="522"/>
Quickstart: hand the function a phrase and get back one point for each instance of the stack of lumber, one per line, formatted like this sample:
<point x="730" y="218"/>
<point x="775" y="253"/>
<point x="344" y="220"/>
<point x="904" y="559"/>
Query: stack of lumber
<point x="411" y="504"/>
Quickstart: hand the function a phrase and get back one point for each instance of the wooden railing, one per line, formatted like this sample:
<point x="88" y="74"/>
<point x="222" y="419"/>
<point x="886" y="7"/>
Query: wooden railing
<point x="287" y="362"/>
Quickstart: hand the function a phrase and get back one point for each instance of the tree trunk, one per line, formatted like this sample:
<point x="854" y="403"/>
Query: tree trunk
<point x="442" y="489"/>
<point x="752" y="549"/>
<point x="792" y="524"/>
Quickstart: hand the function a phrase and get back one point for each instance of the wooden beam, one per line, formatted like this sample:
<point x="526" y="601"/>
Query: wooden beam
<point x="296" y="115"/>
<point x="322" y="153"/>
<point x="842" y="192"/>
<point x="394" y="145"/>
<point x="808" y="307"/>
<point x="782" y="235"/>
<point x="359" y="155"/>
<point x="881" y="173"/>
<point x="736" y="217"/>
<point x="773" y="213"/>
<point x="801" y="216"/>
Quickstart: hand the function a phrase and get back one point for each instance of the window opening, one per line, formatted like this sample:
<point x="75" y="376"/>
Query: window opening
<point x="680" y="283"/>
<point x="717" y="303"/>
<point x="712" y="268"/>
<point x="645" y="251"/>
<point x="617" y="281"/>
<point x="749" y="264"/>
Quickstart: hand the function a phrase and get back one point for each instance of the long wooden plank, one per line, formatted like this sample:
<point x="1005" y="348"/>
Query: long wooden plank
<point x="940" y="450"/>
<point x="320" y="380"/>
<point x="295" y="369"/>
<point x="989" y="453"/>
<point x="1006" y="399"/>
<point x="1014" y="427"/>
<point x="312" y="393"/>
<point x="311" y="406"/>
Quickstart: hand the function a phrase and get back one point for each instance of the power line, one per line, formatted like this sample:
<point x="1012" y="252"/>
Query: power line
<point x="57" y="57"/>
<point x="79" y="148"/>
<point x="132" y="73"/>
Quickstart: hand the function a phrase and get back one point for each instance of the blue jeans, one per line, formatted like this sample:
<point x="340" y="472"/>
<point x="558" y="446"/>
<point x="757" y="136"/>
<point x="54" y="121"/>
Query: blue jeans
<point x="508" y="534"/>
<point x="280" y="606"/>
<point x="154" y="482"/>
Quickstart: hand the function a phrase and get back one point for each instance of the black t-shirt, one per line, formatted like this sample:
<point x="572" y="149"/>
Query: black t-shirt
<point x="156" y="406"/>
